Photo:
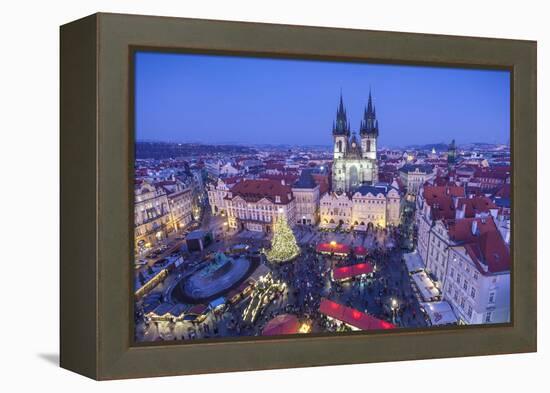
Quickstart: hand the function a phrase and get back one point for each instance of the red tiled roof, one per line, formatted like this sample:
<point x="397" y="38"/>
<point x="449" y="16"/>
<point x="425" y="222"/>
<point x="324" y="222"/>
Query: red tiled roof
<point x="486" y="247"/>
<point x="254" y="190"/>
<point x="475" y="205"/>
<point x="289" y="178"/>
<point x="231" y="179"/>
<point x="352" y="316"/>
<point x="440" y="200"/>
<point x="275" y="165"/>
<point x="342" y="273"/>
<point x="500" y="173"/>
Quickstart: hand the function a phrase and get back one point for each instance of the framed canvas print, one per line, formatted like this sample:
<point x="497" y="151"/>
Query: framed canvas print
<point x="240" y="196"/>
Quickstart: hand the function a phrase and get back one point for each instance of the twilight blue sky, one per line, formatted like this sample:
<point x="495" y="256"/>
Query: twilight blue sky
<point x="225" y="99"/>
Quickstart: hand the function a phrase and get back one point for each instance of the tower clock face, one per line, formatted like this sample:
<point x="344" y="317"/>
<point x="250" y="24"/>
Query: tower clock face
<point x="353" y="144"/>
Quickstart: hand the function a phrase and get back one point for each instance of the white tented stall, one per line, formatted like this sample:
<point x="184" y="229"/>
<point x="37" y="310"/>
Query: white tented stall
<point x="413" y="261"/>
<point x="439" y="313"/>
<point x="426" y="286"/>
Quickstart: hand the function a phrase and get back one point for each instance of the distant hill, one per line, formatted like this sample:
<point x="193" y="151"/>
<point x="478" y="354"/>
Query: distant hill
<point x="437" y="146"/>
<point x="164" y="150"/>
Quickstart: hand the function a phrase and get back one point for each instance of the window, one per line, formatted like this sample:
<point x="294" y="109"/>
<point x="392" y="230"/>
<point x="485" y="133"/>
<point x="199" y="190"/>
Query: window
<point x="469" y="311"/>
<point x="473" y="293"/>
<point x="465" y="286"/>
<point x="488" y="317"/>
<point x="452" y="272"/>
<point x="462" y="303"/>
<point x="476" y="275"/>
<point x="491" y="297"/>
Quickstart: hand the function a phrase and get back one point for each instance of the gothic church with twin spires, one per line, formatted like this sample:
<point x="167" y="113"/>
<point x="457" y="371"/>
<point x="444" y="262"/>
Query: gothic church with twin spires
<point x="355" y="162"/>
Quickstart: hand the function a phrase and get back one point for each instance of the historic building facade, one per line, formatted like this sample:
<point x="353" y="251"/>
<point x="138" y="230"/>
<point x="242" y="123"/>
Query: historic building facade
<point x="378" y="205"/>
<point x="413" y="176"/>
<point x="355" y="160"/>
<point x="463" y="250"/>
<point x="306" y="193"/>
<point x="254" y="204"/>
<point x="152" y="220"/>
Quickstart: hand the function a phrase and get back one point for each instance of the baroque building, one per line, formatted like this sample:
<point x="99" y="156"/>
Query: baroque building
<point x="255" y="204"/>
<point x="373" y="206"/>
<point x="355" y="162"/>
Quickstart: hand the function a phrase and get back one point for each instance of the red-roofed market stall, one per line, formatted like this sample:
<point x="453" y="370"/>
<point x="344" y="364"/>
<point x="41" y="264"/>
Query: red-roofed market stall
<point x="356" y="319"/>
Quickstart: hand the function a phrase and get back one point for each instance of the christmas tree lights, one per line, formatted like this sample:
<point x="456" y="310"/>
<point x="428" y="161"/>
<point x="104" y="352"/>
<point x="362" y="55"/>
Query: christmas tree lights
<point x="283" y="245"/>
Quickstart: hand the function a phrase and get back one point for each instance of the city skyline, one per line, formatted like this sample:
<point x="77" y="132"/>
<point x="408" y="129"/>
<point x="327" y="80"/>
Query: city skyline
<point x="415" y="105"/>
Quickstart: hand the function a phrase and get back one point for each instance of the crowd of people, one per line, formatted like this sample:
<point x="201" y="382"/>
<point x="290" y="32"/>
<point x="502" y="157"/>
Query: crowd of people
<point x="308" y="280"/>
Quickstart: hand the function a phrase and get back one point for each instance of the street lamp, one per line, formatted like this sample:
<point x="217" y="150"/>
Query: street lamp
<point x="394" y="307"/>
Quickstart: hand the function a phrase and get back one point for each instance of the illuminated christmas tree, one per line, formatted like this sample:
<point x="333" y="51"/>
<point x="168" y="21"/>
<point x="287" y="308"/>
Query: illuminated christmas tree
<point x="283" y="245"/>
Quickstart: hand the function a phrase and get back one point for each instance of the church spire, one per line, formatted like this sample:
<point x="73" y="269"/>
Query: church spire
<point x="341" y="126"/>
<point x="369" y="124"/>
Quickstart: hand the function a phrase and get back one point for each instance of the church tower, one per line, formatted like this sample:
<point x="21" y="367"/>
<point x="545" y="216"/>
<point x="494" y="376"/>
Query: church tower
<point x="451" y="156"/>
<point x="369" y="131"/>
<point x="341" y="131"/>
<point x="354" y="161"/>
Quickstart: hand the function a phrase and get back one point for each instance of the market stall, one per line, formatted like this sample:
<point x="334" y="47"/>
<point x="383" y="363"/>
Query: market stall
<point x="360" y="251"/>
<point x="413" y="261"/>
<point x="353" y="318"/>
<point x="345" y="273"/>
<point x="333" y="248"/>
<point x="428" y="291"/>
<point x="282" y="324"/>
<point x="439" y="313"/>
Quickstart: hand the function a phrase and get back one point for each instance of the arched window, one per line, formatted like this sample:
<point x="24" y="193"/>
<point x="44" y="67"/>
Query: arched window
<point x="339" y="146"/>
<point x="368" y="144"/>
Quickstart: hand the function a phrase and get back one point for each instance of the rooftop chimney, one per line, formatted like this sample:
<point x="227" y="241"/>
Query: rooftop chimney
<point x="474" y="227"/>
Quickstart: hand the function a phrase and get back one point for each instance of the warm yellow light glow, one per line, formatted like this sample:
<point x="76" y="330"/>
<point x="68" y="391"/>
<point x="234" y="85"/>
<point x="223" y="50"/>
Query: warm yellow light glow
<point x="304" y="328"/>
<point x="333" y="243"/>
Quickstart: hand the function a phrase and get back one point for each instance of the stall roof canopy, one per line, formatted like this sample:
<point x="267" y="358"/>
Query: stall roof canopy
<point x="282" y="324"/>
<point x="336" y="248"/>
<point x="352" y="316"/>
<point x="425" y="285"/>
<point x="413" y="261"/>
<point x="341" y="273"/>
<point x="440" y="313"/>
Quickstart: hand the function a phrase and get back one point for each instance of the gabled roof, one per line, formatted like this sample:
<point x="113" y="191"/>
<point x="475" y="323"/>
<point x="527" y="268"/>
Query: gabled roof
<point x="440" y="200"/>
<point x="256" y="189"/>
<point x="485" y="247"/>
<point x="306" y="180"/>
<point x="475" y="205"/>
